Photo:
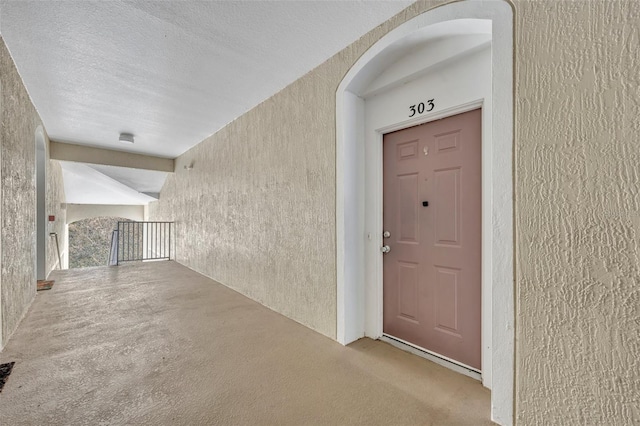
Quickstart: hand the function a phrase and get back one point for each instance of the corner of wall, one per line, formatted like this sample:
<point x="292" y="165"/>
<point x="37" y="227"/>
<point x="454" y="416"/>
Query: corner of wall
<point x="20" y="122"/>
<point x="2" y="342"/>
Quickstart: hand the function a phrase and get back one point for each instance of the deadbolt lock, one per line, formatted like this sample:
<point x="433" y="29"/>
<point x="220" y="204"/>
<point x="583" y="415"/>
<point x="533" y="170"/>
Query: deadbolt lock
<point x="386" y="234"/>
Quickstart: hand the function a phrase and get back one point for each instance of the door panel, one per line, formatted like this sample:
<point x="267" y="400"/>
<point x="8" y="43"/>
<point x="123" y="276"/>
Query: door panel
<point x="407" y="201"/>
<point x="432" y="273"/>
<point x="408" y="290"/>
<point x="446" y="219"/>
<point x="446" y="300"/>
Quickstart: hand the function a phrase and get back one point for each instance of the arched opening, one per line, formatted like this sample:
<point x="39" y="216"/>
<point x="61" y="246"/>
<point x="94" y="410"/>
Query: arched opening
<point x="102" y="219"/>
<point x="41" y="201"/>
<point x="398" y="61"/>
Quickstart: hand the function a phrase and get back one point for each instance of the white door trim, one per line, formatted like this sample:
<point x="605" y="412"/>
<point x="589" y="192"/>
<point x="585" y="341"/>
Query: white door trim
<point x="376" y="284"/>
<point x="356" y="192"/>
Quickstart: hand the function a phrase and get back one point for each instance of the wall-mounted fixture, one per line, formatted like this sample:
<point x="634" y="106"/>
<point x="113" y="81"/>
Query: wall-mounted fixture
<point x="126" y="137"/>
<point x="190" y="166"/>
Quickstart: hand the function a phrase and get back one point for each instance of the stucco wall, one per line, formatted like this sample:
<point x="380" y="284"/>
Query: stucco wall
<point x="578" y="212"/>
<point x="20" y="121"/>
<point x="17" y="200"/>
<point x="257" y="211"/>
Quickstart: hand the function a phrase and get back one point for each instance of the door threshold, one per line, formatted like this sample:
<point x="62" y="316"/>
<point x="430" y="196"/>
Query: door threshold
<point x="458" y="367"/>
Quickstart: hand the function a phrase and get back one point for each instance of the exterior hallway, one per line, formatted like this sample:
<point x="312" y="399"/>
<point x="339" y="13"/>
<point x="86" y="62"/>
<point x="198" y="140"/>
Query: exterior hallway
<point x="157" y="343"/>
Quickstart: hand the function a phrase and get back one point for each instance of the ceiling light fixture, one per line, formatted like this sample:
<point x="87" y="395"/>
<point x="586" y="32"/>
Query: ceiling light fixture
<point x="126" y="137"/>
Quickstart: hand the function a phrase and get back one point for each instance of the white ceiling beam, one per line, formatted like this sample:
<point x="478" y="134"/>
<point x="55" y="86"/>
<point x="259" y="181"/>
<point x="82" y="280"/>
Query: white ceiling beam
<point x="90" y="155"/>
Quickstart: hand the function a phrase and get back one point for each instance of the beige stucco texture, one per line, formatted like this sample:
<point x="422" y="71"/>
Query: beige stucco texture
<point x="578" y="212"/>
<point x="257" y="210"/>
<point x="20" y="122"/>
<point x="17" y="200"/>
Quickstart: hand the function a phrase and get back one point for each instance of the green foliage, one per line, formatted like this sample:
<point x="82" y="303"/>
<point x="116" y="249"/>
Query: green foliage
<point x="90" y="241"/>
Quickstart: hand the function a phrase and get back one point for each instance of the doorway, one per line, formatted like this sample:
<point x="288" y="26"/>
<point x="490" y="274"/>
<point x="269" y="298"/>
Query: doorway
<point x="375" y="98"/>
<point x="432" y="236"/>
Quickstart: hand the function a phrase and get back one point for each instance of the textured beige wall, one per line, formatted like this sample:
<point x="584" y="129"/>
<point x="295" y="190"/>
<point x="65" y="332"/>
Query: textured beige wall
<point x="578" y="212"/>
<point x="20" y="121"/>
<point x="2" y="50"/>
<point x="17" y="200"/>
<point x="257" y="212"/>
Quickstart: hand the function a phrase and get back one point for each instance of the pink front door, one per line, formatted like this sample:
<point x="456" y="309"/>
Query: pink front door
<point x="432" y="205"/>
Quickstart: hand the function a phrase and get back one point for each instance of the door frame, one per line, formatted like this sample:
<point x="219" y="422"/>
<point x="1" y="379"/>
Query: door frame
<point x="357" y="194"/>
<point x="376" y="155"/>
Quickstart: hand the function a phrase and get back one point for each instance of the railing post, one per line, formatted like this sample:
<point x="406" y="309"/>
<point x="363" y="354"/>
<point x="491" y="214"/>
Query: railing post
<point x="118" y="249"/>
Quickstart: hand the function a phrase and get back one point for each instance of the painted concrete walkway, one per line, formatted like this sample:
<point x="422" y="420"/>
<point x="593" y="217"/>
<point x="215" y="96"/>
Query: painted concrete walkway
<point x="158" y="344"/>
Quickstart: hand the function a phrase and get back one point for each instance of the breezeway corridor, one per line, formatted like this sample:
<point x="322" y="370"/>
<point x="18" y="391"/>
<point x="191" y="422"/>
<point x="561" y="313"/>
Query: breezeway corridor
<point x="159" y="344"/>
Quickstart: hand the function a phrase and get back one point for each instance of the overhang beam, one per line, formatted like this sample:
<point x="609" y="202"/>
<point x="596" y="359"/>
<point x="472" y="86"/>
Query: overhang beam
<point x="90" y="155"/>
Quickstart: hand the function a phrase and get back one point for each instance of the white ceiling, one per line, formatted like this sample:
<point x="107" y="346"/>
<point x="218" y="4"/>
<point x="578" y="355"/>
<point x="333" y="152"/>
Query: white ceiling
<point x="170" y="72"/>
<point x="85" y="185"/>
<point x="146" y="181"/>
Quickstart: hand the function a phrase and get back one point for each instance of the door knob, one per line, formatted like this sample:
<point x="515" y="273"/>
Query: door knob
<point x="385" y="249"/>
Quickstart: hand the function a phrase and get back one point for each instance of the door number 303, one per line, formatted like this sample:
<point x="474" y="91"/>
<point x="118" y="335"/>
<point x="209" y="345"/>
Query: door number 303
<point x="421" y="108"/>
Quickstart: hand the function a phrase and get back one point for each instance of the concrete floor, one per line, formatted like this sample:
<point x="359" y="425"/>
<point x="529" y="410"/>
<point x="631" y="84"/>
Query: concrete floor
<point x="158" y="344"/>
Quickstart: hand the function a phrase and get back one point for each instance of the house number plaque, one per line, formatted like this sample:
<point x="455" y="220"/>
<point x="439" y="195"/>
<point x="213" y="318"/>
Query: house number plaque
<point x="421" y="108"/>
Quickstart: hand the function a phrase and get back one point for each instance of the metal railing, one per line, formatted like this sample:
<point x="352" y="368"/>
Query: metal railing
<point x="139" y="241"/>
<point x="55" y="235"/>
